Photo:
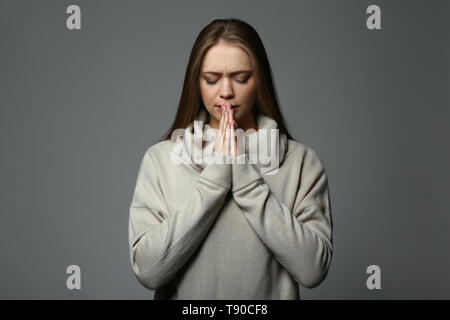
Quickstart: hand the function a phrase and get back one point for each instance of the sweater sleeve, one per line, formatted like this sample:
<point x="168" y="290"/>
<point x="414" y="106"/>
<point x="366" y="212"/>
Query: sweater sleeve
<point x="301" y="238"/>
<point x="160" y="243"/>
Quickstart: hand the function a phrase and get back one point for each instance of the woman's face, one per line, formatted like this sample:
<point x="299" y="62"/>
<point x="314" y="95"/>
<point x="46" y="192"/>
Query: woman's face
<point x="226" y="76"/>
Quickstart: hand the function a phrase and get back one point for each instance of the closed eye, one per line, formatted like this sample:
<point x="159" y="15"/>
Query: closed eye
<point x="243" y="81"/>
<point x="211" y="83"/>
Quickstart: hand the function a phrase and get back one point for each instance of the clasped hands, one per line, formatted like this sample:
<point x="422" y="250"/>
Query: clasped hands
<point x="226" y="141"/>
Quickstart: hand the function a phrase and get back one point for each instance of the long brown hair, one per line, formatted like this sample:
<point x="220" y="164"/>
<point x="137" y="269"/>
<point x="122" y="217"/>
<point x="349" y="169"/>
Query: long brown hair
<point x="239" y="33"/>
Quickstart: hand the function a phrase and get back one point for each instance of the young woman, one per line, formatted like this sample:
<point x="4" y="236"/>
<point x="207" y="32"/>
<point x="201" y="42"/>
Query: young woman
<point x="230" y="223"/>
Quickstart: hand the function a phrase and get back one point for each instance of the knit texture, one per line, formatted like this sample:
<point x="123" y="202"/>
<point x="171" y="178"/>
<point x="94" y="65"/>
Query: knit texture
<point x="229" y="231"/>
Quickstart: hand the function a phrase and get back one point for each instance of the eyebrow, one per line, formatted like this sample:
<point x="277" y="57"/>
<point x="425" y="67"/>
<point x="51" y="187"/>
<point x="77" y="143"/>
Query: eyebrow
<point x="231" y="73"/>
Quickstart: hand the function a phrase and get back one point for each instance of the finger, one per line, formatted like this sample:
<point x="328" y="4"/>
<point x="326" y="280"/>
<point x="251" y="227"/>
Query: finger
<point x="227" y="140"/>
<point x="227" y="129"/>
<point x="224" y="115"/>
<point x="233" y="142"/>
<point x="224" y="128"/>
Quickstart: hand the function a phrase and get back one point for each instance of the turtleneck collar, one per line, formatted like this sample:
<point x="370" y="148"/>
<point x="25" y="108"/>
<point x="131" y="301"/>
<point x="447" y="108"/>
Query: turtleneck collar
<point x="196" y="142"/>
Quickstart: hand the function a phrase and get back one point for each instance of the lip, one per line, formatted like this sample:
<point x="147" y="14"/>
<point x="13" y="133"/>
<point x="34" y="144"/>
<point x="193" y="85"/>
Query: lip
<point x="232" y="107"/>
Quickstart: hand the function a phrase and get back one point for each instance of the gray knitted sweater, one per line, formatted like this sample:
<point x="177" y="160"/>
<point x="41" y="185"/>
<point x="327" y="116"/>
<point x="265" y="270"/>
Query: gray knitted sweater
<point x="230" y="230"/>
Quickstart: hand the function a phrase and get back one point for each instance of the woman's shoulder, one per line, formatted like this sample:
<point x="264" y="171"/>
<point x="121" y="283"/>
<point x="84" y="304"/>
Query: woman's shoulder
<point x="160" y="150"/>
<point x="303" y="153"/>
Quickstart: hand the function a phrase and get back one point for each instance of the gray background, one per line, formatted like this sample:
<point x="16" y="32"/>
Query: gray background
<point x="80" y="108"/>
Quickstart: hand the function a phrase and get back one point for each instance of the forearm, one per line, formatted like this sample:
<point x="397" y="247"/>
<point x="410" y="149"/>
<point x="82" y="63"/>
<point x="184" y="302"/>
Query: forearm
<point x="304" y="249"/>
<point x="164" y="248"/>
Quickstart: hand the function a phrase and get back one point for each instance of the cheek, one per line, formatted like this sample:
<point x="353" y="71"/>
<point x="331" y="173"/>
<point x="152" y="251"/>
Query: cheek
<point x="207" y="92"/>
<point x="208" y="97"/>
<point x="248" y="93"/>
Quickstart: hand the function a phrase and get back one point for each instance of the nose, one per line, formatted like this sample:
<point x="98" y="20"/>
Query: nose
<point x="226" y="91"/>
